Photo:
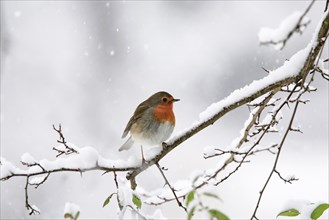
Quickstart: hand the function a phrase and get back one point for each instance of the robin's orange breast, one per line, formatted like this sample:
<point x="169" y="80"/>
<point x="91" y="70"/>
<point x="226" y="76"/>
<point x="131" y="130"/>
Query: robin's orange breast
<point x="164" y="113"/>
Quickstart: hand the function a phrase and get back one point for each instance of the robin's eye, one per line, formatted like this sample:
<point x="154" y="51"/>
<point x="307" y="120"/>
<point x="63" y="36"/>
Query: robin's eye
<point x="164" y="99"/>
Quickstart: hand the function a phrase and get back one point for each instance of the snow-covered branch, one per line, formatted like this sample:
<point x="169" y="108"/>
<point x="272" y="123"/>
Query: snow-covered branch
<point x="295" y="23"/>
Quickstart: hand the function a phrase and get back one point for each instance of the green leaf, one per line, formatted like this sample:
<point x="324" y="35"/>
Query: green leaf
<point x="137" y="201"/>
<point x="107" y="200"/>
<point x="216" y="214"/>
<point x="68" y="215"/>
<point x="318" y="211"/>
<point x="211" y="195"/>
<point x="77" y="215"/>
<point x="191" y="213"/>
<point x="289" y="212"/>
<point x="190" y="197"/>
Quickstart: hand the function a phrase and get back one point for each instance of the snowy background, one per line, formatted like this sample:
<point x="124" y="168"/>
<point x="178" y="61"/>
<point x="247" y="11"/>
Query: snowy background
<point x="88" y="65"/>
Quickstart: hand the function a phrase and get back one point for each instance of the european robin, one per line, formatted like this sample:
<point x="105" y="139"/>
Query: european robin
<point x="152" y="122"/>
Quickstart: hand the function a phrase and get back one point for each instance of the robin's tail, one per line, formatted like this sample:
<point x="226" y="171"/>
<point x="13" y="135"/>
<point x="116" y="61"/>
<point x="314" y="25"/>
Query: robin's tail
<point x="127" y="145"/>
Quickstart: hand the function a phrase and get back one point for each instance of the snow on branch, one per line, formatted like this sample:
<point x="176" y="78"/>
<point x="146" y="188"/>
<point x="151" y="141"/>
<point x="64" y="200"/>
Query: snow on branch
<point x="278" y="37"/>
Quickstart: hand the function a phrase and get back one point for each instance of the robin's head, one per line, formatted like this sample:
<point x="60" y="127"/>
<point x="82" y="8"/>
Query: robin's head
<point x="162" y="103"/>
<point x="162" y="98"/>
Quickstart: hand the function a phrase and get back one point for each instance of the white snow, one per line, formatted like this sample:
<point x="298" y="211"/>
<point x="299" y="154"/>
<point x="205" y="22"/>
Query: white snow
<point x="37" y="180"/>
<point x="71" y="208"/>
<point x="27" y="159"/>
<point x="35" y="208"/>
<point x="277" y="35"/>
<point x="87" y="158"/>
<point x="7" y="168"/>
<point x="125" y="196"/>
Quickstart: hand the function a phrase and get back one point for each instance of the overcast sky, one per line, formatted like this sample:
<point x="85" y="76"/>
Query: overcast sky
<point x="88" y="64"/>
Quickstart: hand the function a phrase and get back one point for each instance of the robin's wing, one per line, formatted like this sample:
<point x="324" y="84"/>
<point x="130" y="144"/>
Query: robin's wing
<point x="137" y="114"/>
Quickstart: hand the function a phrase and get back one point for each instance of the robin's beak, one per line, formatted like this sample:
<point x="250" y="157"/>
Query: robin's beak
<point x="176" y="100"/>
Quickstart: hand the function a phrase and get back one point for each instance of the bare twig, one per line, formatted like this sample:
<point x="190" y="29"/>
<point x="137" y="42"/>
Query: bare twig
<point x="33" y="164"/>
<point x="275" y="162"/>
<point x="41" y="182"/>
<point x="68" y="150"/>
<point x="266" y="70"/>
<point x="323" y="74"/>
<point x="115" y="176"/>
<point x="289" y="128"/>
<point x="222" y="152"/>
<point x="171" y="188"/>
<point x="32" y="209"/>
<point x="286" y="180"/>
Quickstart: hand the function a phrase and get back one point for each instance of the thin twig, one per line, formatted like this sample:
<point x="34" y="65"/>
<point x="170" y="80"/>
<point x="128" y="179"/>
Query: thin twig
<point x="323" y="74"/>
<point x="68" y="150"/>
<point x="222" y="152"/>
<point x="44" y="180"/>
<point x="33" y="164"/>
<point x="275" y="162"/>
<point x="29" y="207"/>
<point x="285" y="180"/>
<point x="171" y="188"/>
